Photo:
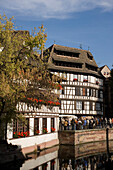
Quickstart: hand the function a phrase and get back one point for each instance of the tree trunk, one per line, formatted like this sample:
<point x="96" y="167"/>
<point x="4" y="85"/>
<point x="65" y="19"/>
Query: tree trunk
<point x="2" y="123"/>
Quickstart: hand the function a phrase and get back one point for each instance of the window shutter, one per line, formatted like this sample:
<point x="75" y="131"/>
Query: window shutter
<point x="75" y="105"/>
<point x="89" y="92"/>
<point x="83" y="91"/>
<point x="82" y="105"/>
<point x="62" y="90"/>
<point x="99" y="94"/>
<point x="95" y="106"/>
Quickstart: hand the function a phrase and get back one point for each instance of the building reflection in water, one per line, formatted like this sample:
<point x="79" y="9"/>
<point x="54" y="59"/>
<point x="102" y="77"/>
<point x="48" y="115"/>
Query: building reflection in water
<point x="91" y="156"/>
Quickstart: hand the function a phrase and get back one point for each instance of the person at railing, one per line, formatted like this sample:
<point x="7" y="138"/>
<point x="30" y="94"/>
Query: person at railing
<point x="69" y="124"/>
<point x="73" y="124"/>
<point x="62" y="123"/>
<point x="102" y="122"/>
<point x="87" y="123"/>
<point x="91" y="124"/>
<point x="65" y="124"/>
<point x="84" y="123"/>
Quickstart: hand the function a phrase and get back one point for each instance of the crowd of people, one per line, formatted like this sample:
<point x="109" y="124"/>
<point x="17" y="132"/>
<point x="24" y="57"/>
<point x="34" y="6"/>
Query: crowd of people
<point x="85" y="123"/>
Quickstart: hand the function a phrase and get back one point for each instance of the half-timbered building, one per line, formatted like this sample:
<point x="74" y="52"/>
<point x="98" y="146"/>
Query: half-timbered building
<point x="82" y="84"/>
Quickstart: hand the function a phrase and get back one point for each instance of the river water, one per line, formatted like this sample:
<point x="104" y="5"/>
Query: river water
<point x="92" y="156"/>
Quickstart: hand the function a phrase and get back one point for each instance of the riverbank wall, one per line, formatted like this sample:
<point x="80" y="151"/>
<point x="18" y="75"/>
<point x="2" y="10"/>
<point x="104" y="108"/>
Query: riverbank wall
<point x="71" y="137"/>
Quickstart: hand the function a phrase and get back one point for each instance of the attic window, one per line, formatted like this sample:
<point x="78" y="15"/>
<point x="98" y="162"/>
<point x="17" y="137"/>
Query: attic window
<point x="90" y="67"/>
<point x="66" y="53"/>
<point x="89" y="56"/>
<point x="67" y="64"/>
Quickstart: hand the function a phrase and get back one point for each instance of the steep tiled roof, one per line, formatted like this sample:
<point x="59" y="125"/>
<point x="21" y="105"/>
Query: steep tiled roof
<point x="85" y="58"/>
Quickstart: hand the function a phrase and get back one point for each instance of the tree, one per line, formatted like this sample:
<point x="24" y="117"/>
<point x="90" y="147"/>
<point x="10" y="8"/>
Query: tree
<point x="23" y="73"/>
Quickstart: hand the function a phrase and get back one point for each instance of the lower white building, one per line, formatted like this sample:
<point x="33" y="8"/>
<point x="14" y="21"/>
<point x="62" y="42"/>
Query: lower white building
<point x="39" y="131"/>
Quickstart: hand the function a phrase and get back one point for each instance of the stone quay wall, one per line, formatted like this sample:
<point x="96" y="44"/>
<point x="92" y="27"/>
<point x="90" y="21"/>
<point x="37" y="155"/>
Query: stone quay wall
<point x="71" y="137"/>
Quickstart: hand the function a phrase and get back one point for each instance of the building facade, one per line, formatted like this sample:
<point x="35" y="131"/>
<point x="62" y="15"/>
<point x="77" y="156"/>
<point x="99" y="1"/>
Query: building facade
<point x="82" y="84"/>
<point x="39" y="131"/>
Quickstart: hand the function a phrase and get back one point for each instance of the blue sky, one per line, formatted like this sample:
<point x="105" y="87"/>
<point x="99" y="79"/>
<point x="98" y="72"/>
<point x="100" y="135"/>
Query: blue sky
<point x="69" y="23"/>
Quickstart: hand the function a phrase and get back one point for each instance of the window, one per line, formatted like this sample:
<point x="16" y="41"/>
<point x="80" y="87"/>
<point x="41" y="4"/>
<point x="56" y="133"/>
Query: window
<point x="101" y="94"/>
<point x="77" y="91"/>
<point x="81" y="91"/>
<point x="85" y="78"/>
<point x="94" y="93"/>
<point x="79" y="105"/>
<point x="84" y="91"/>
<point x="36" y="125"/>
<point x="91" y="106"/>
<point x="97" y="93"/>
<point x="70" y="91"/>
<point x="75" y="77"/>
<point x="98" y="107"/>
<point x="20" y="126"/>
<point x="87" y="92"/>
<point x="86" y="105"/>
<point x="67" y="105"/>
<point x="52" y="164"/>
<point x="44" y="124"/>
<point x="64" y="76"/>
<point x="52" y="123"/>
<point x="89" y="56"/>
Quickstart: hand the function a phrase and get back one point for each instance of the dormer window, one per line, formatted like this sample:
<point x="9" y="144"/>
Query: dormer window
<point x="89" y="56"/>
<point x="66" y="53"/>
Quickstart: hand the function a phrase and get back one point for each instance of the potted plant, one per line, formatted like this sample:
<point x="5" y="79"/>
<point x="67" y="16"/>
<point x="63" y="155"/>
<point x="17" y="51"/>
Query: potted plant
<point x="85" y="80"/>
<point x="53" y="129"/>
<point x="75" y="79"/>
<point x="20" y="134"/>
<point x="45" y="130"/>
<point x="37" y="132"/>
<point x="97" y="82"/>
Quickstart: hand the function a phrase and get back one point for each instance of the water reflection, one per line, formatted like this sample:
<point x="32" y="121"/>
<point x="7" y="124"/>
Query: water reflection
<point x="95" y="162"/>
<point x="92" y="156"/>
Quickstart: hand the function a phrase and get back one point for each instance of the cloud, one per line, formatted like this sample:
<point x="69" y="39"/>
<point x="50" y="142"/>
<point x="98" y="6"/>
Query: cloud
<point x="52" y="8"/>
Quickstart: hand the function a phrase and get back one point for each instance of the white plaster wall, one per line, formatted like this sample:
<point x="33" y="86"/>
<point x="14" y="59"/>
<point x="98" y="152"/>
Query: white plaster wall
<point x="40" y="125"/>
<point x="93" y="79"/>
<point x="49" y="124"/>
<point x="89" y="78"/>
<point x="56" y="123"/>
<point x="82" y="78"/>
<point x="33" y="140"/>
<point x="71" y="77"/>
<point x="31" y="126"/>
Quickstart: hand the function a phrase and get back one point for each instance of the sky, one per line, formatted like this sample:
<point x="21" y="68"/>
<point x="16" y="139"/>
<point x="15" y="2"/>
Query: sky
<point x="74" y="23"/>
